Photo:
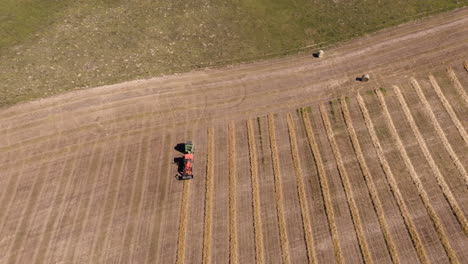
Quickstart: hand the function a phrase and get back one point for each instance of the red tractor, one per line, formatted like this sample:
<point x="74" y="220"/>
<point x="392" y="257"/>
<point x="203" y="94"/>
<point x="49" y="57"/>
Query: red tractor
<point x="186" y="171"/>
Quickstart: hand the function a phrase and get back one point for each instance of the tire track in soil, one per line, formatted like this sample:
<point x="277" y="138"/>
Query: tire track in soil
<point x="123" y="204"/>
<point x="440" y="132"/>
<point x="306" y="221"/>
<point x="46" y="229"/>
<point x="20" y="234"/>
<point x="415" y="177"/>
<point x="449" y="109"/>
<point x="133" y="213"/>
<point x="357" y="221"/>
<point x="458" y="86"/>
<point x="55" y="217"/>
<point x="136" y="246"/>
<point x="435" y="169"/>
<point x="72" y="215"/>
<point x="376" y="202"/>
<point x="81" y="218"/>
<point x="324" y="188"/>
<point x="8" y="194"/>
<point x="258" y="233"/>
<point x="104" y="223"/>
<point x="209" y="189"/>
<point x="153" y="251"/>
<point x="233" y="248"/>
<point x="415" y="237"/>
<point x="23" y="224"/>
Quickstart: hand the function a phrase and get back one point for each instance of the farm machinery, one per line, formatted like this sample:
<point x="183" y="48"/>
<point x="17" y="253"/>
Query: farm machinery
<point x="185" y="171"/>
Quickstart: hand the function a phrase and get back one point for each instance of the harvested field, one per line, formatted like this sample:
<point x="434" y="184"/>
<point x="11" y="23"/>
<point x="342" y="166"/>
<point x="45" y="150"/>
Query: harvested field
<point x="294" y="162"/>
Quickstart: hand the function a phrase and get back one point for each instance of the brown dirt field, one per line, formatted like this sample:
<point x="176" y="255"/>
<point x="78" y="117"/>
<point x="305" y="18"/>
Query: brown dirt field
<point x="88" y="176"/>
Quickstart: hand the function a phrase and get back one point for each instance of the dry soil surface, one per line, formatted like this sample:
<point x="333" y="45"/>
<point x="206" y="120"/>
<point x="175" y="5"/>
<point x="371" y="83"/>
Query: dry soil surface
<point x="295" y="161"/>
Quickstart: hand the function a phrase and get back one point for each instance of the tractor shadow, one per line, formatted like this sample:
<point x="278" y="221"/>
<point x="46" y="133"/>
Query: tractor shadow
<point x="180" y="148"/>
<point x="179" y="161"/>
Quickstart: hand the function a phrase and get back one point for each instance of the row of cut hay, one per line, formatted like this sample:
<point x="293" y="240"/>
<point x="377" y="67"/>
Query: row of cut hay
<point x="440" y="132"/>
<point x="465" y="65"/>
<point x="435" y="169"/>
<point x="278" y="191"/>
<point x="456" y="83"/>
<point x="233" y="258"/>
<point x="181" y="237"/>
<point x="448" y="108"/>
<point x="306" y="222"/>
<point x="376" y="202"/>
<point x="417" y="181"/>
<point x="259" y="248"/>
<point x="324" y="187"/>
<point x="415" y="237"/>
<point x="209" y="185"/>
<point x="356" y="218"/>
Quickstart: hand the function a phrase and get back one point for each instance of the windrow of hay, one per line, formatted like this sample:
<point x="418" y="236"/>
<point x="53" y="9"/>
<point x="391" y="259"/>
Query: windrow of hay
<point x="435" y="169"/>
<point x="278" y="191"/>
<point x="209" y="185"/>
<point x="456" y="83"/>
<point x="233" y="258"/>
<point x="306" y="222"/>
<point x="181" y="243"/>
<point x="417" y="181"/>
<point x="324" y="187"/>
<point x="376" y="202"/>
<point x="358" y="224"/>
<point x="259" y="248"/>
<point x="415" y="237"/>
<point x="465" y="65"/>
<point x="439" y="131"/>
<point x="449" y="109"/>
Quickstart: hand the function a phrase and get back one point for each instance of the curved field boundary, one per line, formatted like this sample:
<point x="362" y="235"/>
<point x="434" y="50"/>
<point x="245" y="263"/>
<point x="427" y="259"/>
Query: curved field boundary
<point x="415" y="237"/>
<point x="456" y="83"/>
<point x="376" y="201"/>
<point x="358" y="224"/>
<point x="233" y="247"/>
<point x="208" y="224"/>
<point x="435" y="169"/>
<point x="181" y="237"/>
<point x="439" y="131"/>
<point x="417" y="181"/>
<point x="449" y="109"/>
<point x="306" y="221"/>
<point x="259" y="248"/>
<point x="324" y="187"/>
<point x="278" y="191"/>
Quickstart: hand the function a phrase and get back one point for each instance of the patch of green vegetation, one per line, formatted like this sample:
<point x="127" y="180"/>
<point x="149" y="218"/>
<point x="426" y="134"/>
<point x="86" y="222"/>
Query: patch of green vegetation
<point x="20" y="19"/>
<point x="51" y="46"/>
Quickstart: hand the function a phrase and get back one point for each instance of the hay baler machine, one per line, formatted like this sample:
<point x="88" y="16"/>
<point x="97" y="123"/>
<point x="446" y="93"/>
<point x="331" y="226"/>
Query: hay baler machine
<point x="185" y="172"/>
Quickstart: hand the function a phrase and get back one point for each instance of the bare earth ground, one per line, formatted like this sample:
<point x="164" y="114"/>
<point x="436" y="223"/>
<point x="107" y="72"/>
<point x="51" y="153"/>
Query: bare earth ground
<point x="87" y="177"/>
